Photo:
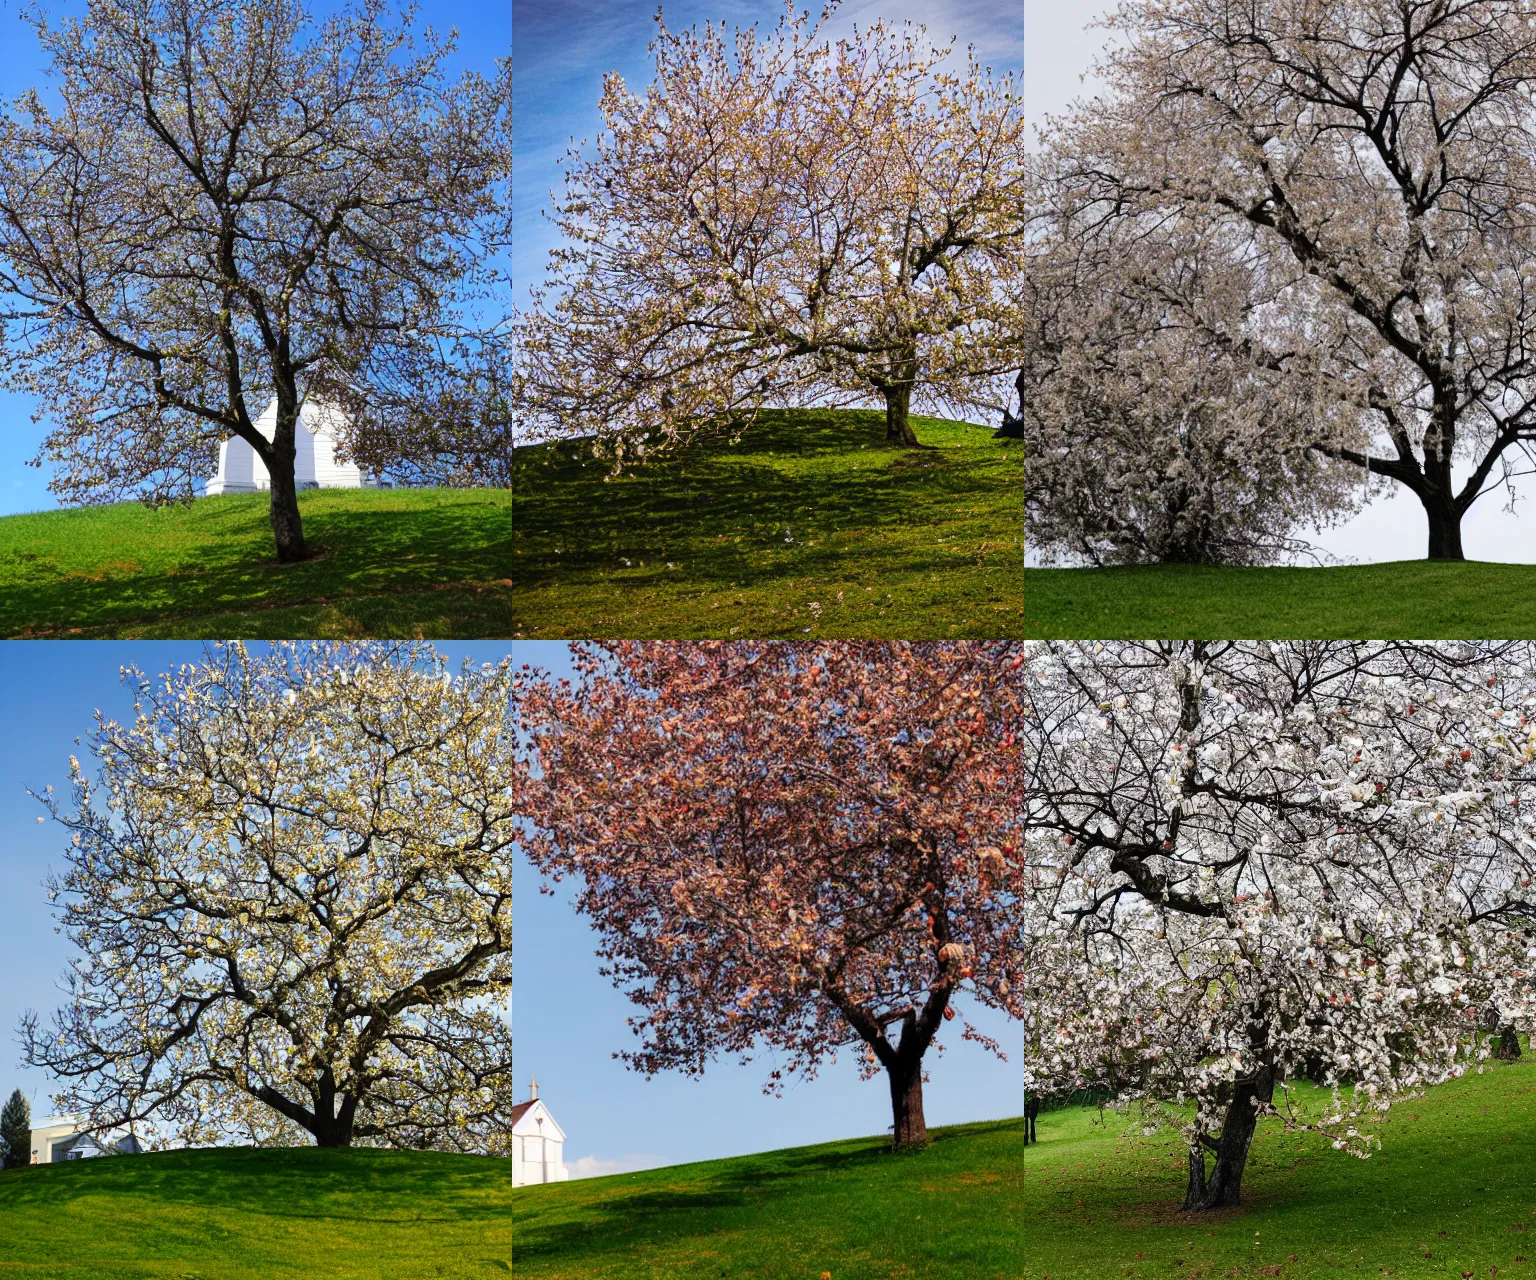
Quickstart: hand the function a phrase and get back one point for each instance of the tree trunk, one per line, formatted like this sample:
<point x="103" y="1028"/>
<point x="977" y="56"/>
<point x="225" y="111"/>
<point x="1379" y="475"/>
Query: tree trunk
<point x="898" y="424"/>
<point x="1223" y="1189"/>
<point x="1194" y="1194"/>
<point x="1013" y="425"/>
<point x="287" y="527"/>
<point x="1444" y="529"/>
<point x="1438" y="495"/>
<point x="333" y="1124"/>
<point x="1508" y="1047"/>
<point x="908" y="1128"/>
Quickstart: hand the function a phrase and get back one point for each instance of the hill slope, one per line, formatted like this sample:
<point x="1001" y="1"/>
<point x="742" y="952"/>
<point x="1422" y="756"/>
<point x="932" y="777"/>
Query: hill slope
<point x="1455" y="1178"/>
<point x="244" y="1214"/>
<point x="851" y="1208"/>
<point x="398" y="562"/>
<point x="1417" y="599"/>
<point x="811" y="524"/>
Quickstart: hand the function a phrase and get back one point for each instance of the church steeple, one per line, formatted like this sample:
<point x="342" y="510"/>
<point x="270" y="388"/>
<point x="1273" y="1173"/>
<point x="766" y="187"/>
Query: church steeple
<point x="533" y="1088"/>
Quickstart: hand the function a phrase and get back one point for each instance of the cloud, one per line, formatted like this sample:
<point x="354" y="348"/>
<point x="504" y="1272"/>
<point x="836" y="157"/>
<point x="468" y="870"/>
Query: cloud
<point x="601" y="1167"/>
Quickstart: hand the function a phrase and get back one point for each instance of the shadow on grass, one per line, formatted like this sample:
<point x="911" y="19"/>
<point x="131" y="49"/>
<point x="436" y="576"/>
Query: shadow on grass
<point x="738" y="513"/>
<point x="692" y="1202"/>
<point x="302" y="1182"/>
<point x="219" y="560"/>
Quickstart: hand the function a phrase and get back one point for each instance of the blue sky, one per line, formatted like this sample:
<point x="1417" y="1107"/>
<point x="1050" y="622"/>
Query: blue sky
<point x="567" y="1020"/>
<point x="485" y="34"/>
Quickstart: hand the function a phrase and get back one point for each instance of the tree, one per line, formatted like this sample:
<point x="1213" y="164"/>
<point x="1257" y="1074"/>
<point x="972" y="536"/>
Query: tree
<point x="1274" y="861"/>
<point x="292" y="891"/>
<point x="1152" y="433"/>
<point x="783" y="219"/>
<point x="803" y="846"/>
<point x="1382" y="157"/>
<point x="233" y="204"/>
<point x="16" y="1129"/>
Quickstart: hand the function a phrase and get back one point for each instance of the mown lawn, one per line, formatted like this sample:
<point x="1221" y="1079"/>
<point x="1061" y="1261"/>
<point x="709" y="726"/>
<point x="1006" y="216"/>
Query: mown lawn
<point x="810" y="525"/>
<point x="1416" y="599"/>
<point x="1452" y="1191"/>
<point x="245" y="1214"/>
<point x="850" y="1208"/>
<point x="433" y="563"/>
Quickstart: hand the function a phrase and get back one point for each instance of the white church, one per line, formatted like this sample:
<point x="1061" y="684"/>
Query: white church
<point x="241" y="469"/>
<point x="537" y="1142"/>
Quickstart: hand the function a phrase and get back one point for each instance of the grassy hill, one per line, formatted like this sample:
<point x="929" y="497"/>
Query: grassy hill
<point x="811" y="524"/>
<point x="1455" y="1179"/>
<point x="246" y="1214"/>
<point x="403" y="562"/>
<point x="851" y="1208"/>
<point x="1416" y="599"/>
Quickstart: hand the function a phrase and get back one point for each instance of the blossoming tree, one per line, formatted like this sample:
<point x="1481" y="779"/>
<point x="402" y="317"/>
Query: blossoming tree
<point x="1382" y="156"/>
<point x="801" y="846"/>
<point x="1272" y="861"/>
<point x="782" y="221"/>
<point x="233" y="203"/>
<point x="1156" y="429"/>
<point x="291" y="887"/>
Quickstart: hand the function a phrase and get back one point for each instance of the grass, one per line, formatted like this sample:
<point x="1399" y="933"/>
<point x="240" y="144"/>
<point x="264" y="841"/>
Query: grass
<point x="950" y="1211"/>
<point x="811" y="524"/>
<point x="1417" y="599"/>
<point x="1455" y="1179"/>
<point x="433" y="563"/>
<point x="245" y="1214"/>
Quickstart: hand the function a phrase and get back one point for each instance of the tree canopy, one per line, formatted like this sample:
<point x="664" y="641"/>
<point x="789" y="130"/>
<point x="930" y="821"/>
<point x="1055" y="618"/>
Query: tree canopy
<point x="783" y="219"/>
<point x="799" y="846"/>
<point x="1379" y="159"/>
<point x="290" y="885"/>
<point x="232" y="204"/>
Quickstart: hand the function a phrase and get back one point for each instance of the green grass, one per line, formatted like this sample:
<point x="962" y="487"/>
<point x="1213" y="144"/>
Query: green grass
<point x="1455" y="1177"/>
<point x="1416" y="599"/>
<point x="851" y="1208"/>
<point x="886" y="542"/>
<point x="244" y="1214"/>
<point x="403" y="562"/>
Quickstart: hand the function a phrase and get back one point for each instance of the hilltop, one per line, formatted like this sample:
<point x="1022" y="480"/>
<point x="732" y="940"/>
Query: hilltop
<point x="1419" y="599"/>
<point x="248" y="1214"/>
<point x="811" y="524"/>
<point x="433" y="563"/>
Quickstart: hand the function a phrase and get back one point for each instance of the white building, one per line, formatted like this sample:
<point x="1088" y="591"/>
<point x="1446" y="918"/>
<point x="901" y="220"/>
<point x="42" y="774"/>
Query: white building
<point x="537" y="1143"/>
<point x="241" y="469"/>
<point x="59" y="1138"/>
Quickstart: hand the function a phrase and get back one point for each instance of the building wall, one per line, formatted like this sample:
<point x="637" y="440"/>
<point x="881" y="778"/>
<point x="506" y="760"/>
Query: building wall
<point x="241" y="469"/>
<point x="537" y="1159"/>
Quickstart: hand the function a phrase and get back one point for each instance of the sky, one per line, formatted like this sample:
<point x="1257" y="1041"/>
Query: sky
<point x="1059" y="49"/>
<point x="485" y="35"/>
<point x="567" y="1020"/>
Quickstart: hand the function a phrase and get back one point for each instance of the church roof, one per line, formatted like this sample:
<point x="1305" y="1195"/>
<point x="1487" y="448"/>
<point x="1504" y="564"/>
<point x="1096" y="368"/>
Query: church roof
<point x="522" y="1109"/>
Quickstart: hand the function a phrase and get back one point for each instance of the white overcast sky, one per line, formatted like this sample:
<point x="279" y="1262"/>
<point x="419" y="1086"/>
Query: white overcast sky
<point x="1059" y="49"/>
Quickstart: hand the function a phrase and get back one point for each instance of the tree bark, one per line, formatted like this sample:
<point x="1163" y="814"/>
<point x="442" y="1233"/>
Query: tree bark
<point x="287" y="526"/>
<point x="908" y="1128"/>
<point x="1013" y="424"/>
<point x="1444" y="529"/>
<point x="1439" y="493"/>
<point x="1223" y="1189"/>
<point x="1508" y="1047"/>
<point x="1194" y="1194"/>
<point x="898" y="423"/>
